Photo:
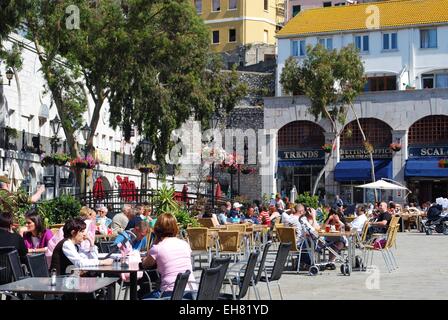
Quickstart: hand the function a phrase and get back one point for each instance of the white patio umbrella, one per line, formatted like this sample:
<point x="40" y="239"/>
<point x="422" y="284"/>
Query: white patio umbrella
<point x="385" y="185"/>
<point x="15" y="176"/>
<point x="292" y="198"/>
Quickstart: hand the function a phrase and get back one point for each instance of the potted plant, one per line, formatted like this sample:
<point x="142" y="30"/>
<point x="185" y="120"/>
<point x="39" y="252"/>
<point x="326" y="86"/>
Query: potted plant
<point x="368" y="146"/>
<point x="443" y="163"/>
<point x="395" y="146"/>
<point x="11" y="132"/>
<point x="327" y="147"/>
<point x="59" y="159"/>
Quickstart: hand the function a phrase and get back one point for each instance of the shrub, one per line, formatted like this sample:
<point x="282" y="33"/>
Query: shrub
<point x="308" y="200"/>
<point x="59" y="210"/>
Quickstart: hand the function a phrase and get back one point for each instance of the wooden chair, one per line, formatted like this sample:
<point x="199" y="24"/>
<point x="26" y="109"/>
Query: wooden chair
<point x="198" y="238"/>
<point x="288" y="235"/>
<point x="237" y="227"/>
<point x="385" y="250"/>
<point x="230" y="243"/>
<point x="206" y="222"/>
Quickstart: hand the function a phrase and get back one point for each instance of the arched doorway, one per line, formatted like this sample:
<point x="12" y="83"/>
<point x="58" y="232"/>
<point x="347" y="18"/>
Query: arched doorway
<point x="427" y="145"/>
<point x="300" y="157"/>
<point x="354" y="167"/>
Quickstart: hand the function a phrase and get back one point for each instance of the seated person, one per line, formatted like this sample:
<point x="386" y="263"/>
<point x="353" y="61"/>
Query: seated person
<point x="8" y="238"/>
<point x="310" y="215"/>
<point x="136" y="236"/>
<point x="121" y="220"/>
<point x="235" y="214"/>
<point x="222" y="216"/>
<point x="263" y="217"/>
<point x="170" y="254"/>
<point x="136" y="218"/>
<point x="381" y="222"/>
<point x="69" y="252"/>
<point x="337" y="243"/>
<point x="102" y="220"/>
<point x="37" y="236"/>
<point x="360" y="220"/>
<point x="250" y="216"/>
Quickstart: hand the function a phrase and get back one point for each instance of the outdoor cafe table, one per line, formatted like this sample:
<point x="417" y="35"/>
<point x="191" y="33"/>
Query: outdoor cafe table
<point x="350" y="235"/>
<point x="117" y="268"/>
<point x="36" y="285"/>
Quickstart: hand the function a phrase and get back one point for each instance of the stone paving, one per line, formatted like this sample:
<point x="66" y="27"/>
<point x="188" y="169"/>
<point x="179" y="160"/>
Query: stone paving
<point x="422" y="274"/>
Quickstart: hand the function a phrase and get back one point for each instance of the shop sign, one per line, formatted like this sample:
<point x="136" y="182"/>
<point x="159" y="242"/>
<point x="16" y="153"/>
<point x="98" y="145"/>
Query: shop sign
<point x="361" y="153"/>
<point x="301" y="155"/>
<point x="431" y="151"/>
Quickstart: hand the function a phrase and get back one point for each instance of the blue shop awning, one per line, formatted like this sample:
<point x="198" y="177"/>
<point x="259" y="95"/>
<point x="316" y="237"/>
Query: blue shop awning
<point x="360" y="170"/>
<point x="424" y="168"/>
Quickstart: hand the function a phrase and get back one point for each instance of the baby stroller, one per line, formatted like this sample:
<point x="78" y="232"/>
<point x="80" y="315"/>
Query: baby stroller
<point x="316" y="244"/>
<point x="436" y="220"/>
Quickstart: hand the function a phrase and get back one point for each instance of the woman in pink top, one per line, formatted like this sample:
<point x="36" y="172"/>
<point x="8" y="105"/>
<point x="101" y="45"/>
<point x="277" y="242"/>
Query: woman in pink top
<point x="171" y="255"/>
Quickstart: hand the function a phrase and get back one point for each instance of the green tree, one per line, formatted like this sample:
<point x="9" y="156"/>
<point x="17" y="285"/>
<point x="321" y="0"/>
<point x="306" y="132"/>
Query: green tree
<point x="331" y="80"/>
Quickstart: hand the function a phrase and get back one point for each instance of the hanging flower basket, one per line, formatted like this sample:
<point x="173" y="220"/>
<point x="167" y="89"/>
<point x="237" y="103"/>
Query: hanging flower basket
<point x="232" y="170"/>
<point x="395" y="147"/>
<point x="443" y="163"/>
<point x="58" y="159"/>
<point x="368" y="146"/>
<point x="327" y="147"/>
<point x="83" y="163"/>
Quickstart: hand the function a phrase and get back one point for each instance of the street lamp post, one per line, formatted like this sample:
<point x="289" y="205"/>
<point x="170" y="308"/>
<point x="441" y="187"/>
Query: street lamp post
<point x="9" y="76"/>
<point x="55" y="126"/>
<point x="146" y="148"/>
<point x="213" y="124"/>
<point x="85" y="133"/>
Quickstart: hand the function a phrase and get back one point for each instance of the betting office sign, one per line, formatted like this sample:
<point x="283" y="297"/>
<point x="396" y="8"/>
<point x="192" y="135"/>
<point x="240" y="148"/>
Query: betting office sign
<point x="361" y="153"/>
<point x="431" y="151"/>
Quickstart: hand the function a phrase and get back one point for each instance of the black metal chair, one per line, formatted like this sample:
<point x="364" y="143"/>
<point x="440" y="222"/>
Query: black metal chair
<point x="209" y="281"/>
<point x="244" y="282"/>
<point x="37" y="265"/>
<point x="17" y="270"/>
<point x="224" y="262"/>
<point x="5" y="272"/>
<point x="277" y="269"/>
<point x="106" y="246"/>
<point x="179" y="285"/>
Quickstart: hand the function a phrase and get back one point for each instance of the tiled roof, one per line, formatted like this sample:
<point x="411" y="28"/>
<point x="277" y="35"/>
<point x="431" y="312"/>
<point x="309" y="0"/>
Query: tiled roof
<point x="394" y="13"/>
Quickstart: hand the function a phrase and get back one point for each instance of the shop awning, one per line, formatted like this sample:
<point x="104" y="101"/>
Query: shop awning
<point x="359" y="170"/>
<point x="424" y="168"/>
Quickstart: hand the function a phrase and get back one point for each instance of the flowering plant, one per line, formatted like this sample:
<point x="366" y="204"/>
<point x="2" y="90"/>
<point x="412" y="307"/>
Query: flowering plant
<point x="84" y="163"/>
<point x="443" y="163"/>
<point x="327" y="147"/>
<point x="248" y="170"/>
<point x="395" y="146"/>
<point x="59" y="159"/>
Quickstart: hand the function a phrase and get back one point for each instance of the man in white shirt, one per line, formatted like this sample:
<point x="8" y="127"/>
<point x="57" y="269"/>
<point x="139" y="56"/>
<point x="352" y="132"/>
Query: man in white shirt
<point x="360" y="220"/>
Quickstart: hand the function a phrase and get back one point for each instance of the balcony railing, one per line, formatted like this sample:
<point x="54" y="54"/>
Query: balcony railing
<point x="11" y="139"/>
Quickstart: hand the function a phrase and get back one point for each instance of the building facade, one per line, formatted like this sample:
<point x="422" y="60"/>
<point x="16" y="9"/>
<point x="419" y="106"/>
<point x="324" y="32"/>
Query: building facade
<point x="26" y="111"/>
<point x="294" y="7"/>
<point x="405" y="102"/>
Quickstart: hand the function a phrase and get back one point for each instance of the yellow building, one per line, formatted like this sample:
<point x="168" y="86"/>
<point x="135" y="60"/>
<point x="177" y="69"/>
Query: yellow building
<point x="239" y="22"/>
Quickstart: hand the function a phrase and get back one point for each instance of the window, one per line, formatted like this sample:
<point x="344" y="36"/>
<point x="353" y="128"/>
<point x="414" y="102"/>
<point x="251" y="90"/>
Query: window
<point x="266" y="36"/>
<point x="215" y="37"/>
<point x="232" y="35"/>
<point x="432" y="130"/>
<point x="430" y="81"/>
<point x="295" y="10"/>
<point x="327" y="4"/>
<point x="198" y="4"/>
<point x="298" y="48"/>
<point x="216" y="5"/>
<point x="362" y="43"/>
<point x="428" y="38"/>
<point x="266" y="5"/>
<point x="384" y="83"/>
<point x="390" y="41"/>
<point x="232" y="4"/>
<point x="326" y="43"/>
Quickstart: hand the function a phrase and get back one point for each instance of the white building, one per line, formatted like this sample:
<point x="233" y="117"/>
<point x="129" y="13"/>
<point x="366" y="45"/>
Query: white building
<point x="26" y="107"/>
<point x="404" y="47"/>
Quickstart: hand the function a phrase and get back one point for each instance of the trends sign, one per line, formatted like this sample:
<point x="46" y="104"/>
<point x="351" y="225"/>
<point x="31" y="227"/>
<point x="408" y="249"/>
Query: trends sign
<point x="301" y="155"/>
<point x="431" y="151"/>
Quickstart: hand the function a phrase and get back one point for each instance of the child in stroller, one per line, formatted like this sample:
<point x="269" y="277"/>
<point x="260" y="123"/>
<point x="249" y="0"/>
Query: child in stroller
<point x="437" y="218"/>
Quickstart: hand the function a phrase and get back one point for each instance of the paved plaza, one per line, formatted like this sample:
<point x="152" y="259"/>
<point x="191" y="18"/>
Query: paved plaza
<point x="422" y="274"/>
